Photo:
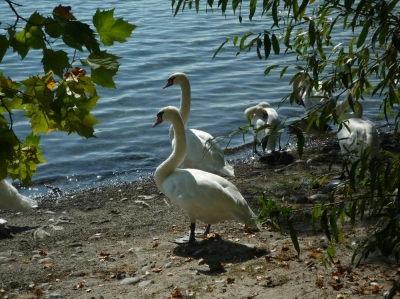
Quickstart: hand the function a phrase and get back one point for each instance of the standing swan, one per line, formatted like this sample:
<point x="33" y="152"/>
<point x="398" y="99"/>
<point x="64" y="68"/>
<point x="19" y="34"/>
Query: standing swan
<point x="204" y="196"/>
<point x="10" y="199"/>
<point x="355" y="134"/>
<point x="202" y="151"/>
<point x="261" y="116"/>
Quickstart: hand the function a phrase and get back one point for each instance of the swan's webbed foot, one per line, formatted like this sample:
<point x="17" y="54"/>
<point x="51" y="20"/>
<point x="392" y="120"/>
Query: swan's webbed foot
<point x="192" y="237"/>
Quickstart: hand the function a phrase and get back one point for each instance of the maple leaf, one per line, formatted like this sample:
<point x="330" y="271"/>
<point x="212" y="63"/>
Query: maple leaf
<point x="64" y="11"/>
<point x="110" y="29"/>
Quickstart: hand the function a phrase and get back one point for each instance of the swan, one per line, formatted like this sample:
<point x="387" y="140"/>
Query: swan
<point x="203" y="152"/>
<point x="315" y="101"/>
<point x="261" y="116"/>
<point x="204" y="196"/>
<point x="10" y="199"/>
<point x="355" y="134"/>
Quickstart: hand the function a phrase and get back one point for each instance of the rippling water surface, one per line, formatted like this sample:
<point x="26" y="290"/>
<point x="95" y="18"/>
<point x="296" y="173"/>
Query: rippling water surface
<point x="127" y="147"/>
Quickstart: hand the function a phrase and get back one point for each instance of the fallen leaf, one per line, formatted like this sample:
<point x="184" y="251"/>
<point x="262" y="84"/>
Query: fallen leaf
<point x="201" y="261"/>
<point x="176" y="294"/>
<point x="319" y="283"/>
<point x="230" y="280"/>
<point x="26" y="261"/>
<point x="38" y="292"/>
<point x="314" y="254"/>
<point x="48" y="266"/>
<point x="64" y="11"/>
<point x="43" y="252"/>
<point x="157" y="270"/>
<point x="79" y="285"/>
<point x="189" y="259"/>
<point x="155" y="245"/>
<point x="285" y="248"/>
<point x="170" y="274"/>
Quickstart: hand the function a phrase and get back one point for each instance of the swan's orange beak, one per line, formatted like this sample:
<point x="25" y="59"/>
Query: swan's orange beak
<point x="169" y="83"/>
<point x="158" y="121"/>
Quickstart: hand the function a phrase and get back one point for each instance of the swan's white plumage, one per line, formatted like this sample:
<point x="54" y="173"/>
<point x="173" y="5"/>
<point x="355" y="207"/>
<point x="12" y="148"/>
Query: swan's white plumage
<point x="315" y="101"/>
<point x="204" y="196"/>
<point x="356" y="134"/>
<point x="261" y="116"/>
<point x="10" y="199"/>
<point x="203" y="152"/>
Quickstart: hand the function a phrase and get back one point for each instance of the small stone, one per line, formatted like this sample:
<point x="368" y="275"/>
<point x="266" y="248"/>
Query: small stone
<point x="40" y="234"/>
<point x="130" y="280"/>
<point x="145" y="283"/>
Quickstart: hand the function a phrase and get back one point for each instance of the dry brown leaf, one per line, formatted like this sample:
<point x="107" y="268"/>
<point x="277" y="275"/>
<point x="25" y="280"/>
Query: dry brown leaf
<point x="170" y="274"/>
<point x="156" y="270"/>
<point x="189" y="259"/>
<point x="230" y="280"/>
<point x="43" y="252"/>
<point x="26" y="261"/>
<point x="201" y="261"/>
<point x="319" y="283"/>
<point x="155" y="245"/>
<point x="285" y="248"/>
<point x="314" y="254"/>
<point x="64" y="11"/>
<point x="48" y="266"/>
<point x="38" y="292"/>
<point x="376" y="289"/>
<point x="79" y="285"/>
<point x="177" y="294"/>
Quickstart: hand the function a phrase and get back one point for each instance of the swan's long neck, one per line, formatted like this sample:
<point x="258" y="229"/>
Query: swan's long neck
<point x="177" y="156"/>
<point x="345" y="105"/>
<point x="185" y="100"/>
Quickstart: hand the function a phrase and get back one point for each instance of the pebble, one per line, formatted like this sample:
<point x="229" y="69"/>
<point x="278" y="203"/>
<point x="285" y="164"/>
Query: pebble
<point x="40" y="234"/>
<point x="145" y="283"/>
<point x="130" y="280"/>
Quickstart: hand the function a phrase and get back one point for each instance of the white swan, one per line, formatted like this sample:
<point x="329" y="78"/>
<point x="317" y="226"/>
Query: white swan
<point x="260" y="117"/>
<point x="204" y="196"/>
<point x="202" y="151"/>
<point x="355" y="135"/>
<point x="315" y="101"/>
<point x="10" y="199"/>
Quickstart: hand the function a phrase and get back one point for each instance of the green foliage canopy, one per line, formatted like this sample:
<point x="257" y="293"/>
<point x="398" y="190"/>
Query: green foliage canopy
<point x="64" y="95"/>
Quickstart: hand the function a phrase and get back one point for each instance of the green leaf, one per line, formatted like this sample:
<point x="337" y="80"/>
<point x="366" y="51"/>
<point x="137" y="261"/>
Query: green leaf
<point x="110" y="29"/>
<point x="324" y="224"/>
<point x="293" y="236"/>
<point x="283" y="71"/>
<point x="78" y="34"/>
<point x="252" y="6"/>
<point x="311" y="33"/>
<point x="4" y="44"/>
<point x="332" y="221"/>
<point x="270" y="68"/>
<point x="300" y="140"/>
<point x="275" y="44"/>
<point x="363" y="34"/>
<point x="267" y="45"/>
<point x="54" y="29"/>
<point x="243" y="39"/>
<point x="38" y="119"/>
<point x="275" y="13"/>
<point x="383" y="34"/>
<point x="56" y="61"/>
<point x="220" y="47"/>
<point x="27" y="39"/>
<point x="104" y="67"/>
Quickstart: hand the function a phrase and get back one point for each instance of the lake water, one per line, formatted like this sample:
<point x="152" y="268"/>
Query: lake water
<point x="127" y="147"/>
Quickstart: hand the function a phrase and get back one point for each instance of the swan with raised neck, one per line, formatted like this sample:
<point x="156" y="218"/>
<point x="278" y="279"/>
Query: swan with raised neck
<point x="203" y="152"/>
<point x="204" y="196"/>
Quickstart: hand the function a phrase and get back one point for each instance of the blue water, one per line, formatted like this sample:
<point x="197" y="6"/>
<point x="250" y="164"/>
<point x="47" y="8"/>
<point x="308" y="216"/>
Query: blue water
<point x="127" y="147"/>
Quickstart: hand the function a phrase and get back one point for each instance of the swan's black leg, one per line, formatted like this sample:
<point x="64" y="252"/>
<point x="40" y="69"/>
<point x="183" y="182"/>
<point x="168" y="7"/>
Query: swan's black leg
<point x="192" y="228"/>
<point x="207" y="231"/>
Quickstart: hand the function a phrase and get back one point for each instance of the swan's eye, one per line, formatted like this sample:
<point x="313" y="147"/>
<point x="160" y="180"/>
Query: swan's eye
<point x="160" y="114"/>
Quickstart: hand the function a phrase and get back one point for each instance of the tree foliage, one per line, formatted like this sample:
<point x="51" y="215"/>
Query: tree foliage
<point x="367" y="63"/>
<point x="63" y="96"/>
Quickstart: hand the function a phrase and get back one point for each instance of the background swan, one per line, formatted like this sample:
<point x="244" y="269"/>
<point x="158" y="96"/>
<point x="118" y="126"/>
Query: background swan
<point x="10" y="199"/>
<point x="204" y="196"/>
<point x="202" y="151"/>
<point x="355" y="134"/>
<point x="313" y="102"/>
<point x="261" y="116"/>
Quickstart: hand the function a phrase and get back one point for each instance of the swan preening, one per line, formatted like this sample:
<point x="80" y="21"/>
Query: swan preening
<point x="355" y="135"/>
<point x="204" y="196"/>
<point x="313" y="102"/>
<point x="203" y="152"/>
<point x="262" y="115"/>
<point x="10" y="199"/>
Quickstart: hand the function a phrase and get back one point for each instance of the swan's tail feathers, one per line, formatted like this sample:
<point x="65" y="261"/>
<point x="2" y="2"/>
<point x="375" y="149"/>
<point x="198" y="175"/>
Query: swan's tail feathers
<point x="10" y="199"/>
<point x="253" y="224"/>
